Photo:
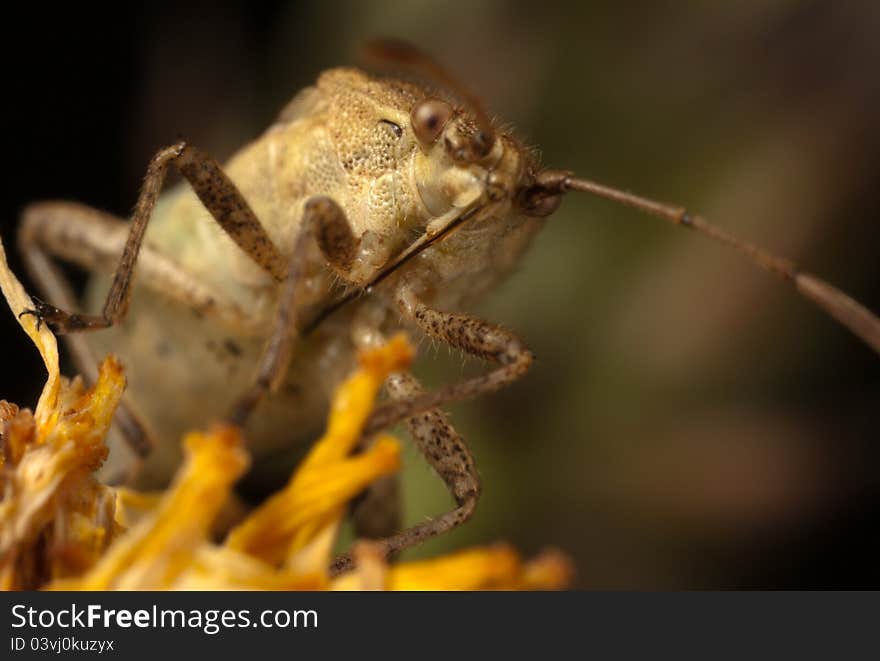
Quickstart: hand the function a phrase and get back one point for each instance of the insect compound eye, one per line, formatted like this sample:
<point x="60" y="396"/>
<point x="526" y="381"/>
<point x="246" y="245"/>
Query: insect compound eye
<point x="429" y="118"/>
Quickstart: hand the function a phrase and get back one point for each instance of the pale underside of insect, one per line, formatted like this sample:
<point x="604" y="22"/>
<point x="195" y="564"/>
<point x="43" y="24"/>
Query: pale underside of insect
<point x="373" y="203"/>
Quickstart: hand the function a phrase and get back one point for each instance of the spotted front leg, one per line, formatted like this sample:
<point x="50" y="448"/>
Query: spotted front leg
<point x="447" y="454"/>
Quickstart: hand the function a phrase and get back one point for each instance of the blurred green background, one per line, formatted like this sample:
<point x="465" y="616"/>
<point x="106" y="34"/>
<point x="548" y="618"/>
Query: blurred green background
<point x="690" y="422"/>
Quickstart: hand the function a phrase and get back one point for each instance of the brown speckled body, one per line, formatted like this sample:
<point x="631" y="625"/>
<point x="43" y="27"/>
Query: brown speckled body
<point x="347" y="138"/>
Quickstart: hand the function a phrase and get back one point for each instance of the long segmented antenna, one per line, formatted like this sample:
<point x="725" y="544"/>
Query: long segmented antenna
<point x="391" y="52"/>
<point x="849" y="312"/>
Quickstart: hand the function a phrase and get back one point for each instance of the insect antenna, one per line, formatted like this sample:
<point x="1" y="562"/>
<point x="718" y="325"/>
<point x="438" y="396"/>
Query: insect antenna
<point x="849" y="312"/>
<point x="405" y="56"/>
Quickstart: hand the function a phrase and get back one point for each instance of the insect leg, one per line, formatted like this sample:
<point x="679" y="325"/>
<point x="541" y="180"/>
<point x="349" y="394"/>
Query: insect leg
<point x="325" y="222"/>
<point x="468" y="334"/>
<point x="222" y="199"/>
<point x="94" y="240"/>
<point x="53" y="284"/>
<point x="448" y="455"/>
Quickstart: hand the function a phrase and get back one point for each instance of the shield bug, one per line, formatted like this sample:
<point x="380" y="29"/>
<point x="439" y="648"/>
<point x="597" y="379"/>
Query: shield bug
<point x="373" y="202"/>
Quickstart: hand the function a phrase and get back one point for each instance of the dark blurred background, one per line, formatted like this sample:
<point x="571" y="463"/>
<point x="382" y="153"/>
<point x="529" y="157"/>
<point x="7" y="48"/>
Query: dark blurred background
<point x="690" y="422"/>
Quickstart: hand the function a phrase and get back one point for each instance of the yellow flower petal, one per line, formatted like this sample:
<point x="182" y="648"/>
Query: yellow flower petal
<point x="497" y="567"/>
<point x="219" y="568"/>
<point x="314" y="556"/>
<point x="551" y="570"/>
<point x="314" y="499"/>
<point x="473" y="569"/>
<point x="132" y="505"/>
<point x="19" y="301"/>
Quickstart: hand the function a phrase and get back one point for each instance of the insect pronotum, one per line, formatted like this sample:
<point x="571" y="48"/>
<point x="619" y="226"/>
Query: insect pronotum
<point x="373" y="202"/>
